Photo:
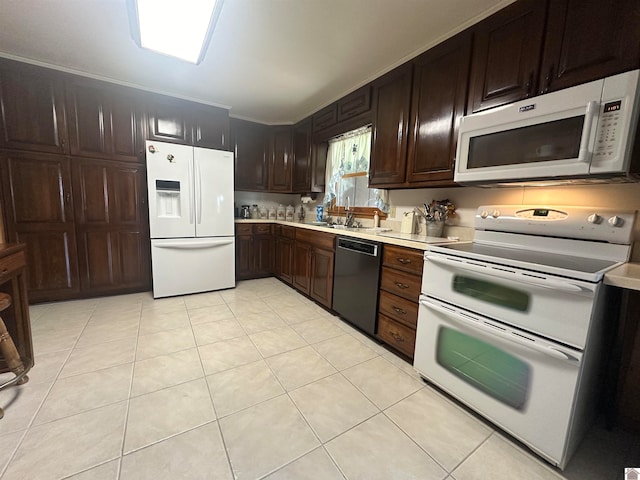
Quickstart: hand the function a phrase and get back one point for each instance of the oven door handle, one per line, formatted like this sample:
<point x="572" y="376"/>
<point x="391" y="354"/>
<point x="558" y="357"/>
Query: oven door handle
<point x="471" y="322"/>
<point x="508" y="275"/>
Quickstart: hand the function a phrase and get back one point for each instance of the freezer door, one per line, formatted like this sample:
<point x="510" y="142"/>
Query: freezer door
<point x="170" y="185"/>
<point x="191" y="265"/>
<point x="213" y="180"/>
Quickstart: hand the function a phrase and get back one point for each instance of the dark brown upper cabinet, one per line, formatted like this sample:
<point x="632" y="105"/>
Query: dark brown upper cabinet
<point x="325" y="118"/>
<point x="250" y="142"/>
<point x="168" y="120"/>
<point x="104" y="121"/>
<point x="589" y="39"/>
<point x="38" y="211"/>
<point x="438" y="103"/>
<point x="391" y="103"/>
<point x="281" y="159"/>
<point x="506" y="55"/>
<point x="301" y="175"/>
<point x="355" y="103"/>
<point x="32" y="109"/>
<point x="210" y="127"/>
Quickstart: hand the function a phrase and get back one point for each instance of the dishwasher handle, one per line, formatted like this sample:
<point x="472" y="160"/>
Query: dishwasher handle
<point x="357" y="246"/>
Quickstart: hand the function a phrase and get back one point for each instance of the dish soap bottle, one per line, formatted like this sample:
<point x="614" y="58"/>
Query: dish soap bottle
<point x="376" y="220"/>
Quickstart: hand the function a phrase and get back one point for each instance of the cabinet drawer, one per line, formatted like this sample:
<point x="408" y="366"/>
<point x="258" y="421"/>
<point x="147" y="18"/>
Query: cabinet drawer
<point x="325" y="118"/>
<point x="406" y="285"/>
<point x="355" y="103"/>
<point x="244" y="228"/>
<point x="262" y="228"/>
<point x="399" y="309"/>
<point x="397" y="335"/>
<point x="405" y="259"/>
<point x="317" y="239"/>
<point x="11" y="264"/>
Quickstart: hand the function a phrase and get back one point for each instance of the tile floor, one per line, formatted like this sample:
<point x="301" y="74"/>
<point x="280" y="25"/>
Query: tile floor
<point x="257" y="382"/>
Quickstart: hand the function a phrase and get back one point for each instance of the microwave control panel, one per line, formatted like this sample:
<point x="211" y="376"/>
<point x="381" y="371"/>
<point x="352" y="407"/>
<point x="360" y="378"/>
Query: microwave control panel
<point x="608" y="130"/>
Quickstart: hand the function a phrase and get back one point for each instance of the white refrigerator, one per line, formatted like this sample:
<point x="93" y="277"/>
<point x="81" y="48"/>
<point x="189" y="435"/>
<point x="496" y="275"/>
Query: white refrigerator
<point x="190" y="218"/>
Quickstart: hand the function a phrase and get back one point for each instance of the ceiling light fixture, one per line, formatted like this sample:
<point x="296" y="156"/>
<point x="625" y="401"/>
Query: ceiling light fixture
<point x="180" y="29"/>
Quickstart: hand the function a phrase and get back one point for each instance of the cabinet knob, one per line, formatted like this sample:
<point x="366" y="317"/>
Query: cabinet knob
<point x="397" y="337"/>
<point x="401" y="285"/>
<point x="399" y="310"/>
<point x="404" y="261"/>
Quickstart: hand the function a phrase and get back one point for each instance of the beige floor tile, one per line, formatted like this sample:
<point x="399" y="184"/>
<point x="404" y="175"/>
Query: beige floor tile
<point x="369" y="342"/>
<point x="265" y="437"/>
<point x="71" y="445"/>
<point x="378" y="450"/>
<point x="332" y="406"/>
<point x="248" y="307"/>
<point x="55" y="341"/>
<point x="237" y="294"/>
<point x="317" y="330"/>
<point x="298" y="314"/>
<point x="159" y="415"/>
<point x="155" y="322"/>
<point x="316" y="465"/>
<point x="211" y="332"/>
<point x="210" y="314"/>
<point x="220" y="356"/>
<point x="300" y="367"/>
<point x="103" y="332"/>
<point x="160" y="305"/>
<point x="87" y="391"/>
<point x="20" y="405"/>
<point x="344" y="351"/>
<point x="106" y="471"/>
<point x="276" y="341"/>
<point x="198" y="454"/>
<point x="285" y="300"/>
<point x="51" y="323"/>
<point x="259" y="322"/>
<point x="441" y="428"/>
<point x="47" y="366"/>
<point x="165" y="371"/>
<point x="403" y="365"/>
<point x="498" y="459"/>
<point x="201" y="300"/>
<point x="116" y="313"/>
<point x="383" y="383"/>
<point x="242" y="387"/>
<point x="164" y="343"/>
<point x="8" y="445"/>
<point x="96" y="357"/>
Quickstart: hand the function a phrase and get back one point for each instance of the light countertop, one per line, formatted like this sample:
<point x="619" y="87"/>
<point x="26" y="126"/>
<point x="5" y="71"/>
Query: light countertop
<point x="392" y="238"/>
<point x="624" y="276"/>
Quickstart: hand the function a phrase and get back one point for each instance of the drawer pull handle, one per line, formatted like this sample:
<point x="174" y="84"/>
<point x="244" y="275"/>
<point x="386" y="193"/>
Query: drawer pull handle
<point x="401" y="285"/>
<point x="399" y="310"/>
<point x="404" y="261"/>
<point x="397" y="337"/>
<point x="5" y="270"/>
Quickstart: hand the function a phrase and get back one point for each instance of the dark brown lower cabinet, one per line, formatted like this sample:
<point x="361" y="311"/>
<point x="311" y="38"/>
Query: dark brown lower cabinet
<point x="254" y="250"/>
<point x="38" y="211"/>
<point x="285" y="237"/>
<point x="302" y="266"/>
<point x="322" y="276"/>
<point x="313" y="260"/>
<point x="111" y="226"/>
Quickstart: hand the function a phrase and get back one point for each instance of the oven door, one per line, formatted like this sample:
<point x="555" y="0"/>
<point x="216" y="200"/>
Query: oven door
<point x="555" y="307"/>
<point x="522" y="382"/>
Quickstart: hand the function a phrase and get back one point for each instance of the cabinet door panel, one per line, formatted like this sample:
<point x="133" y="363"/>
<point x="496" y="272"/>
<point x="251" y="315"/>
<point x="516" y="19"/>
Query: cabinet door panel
<point x="244" y="256"/>
<point x="92" y="194"/>
<point x="36" y="194"/>
<point x="284" y="260"/>
<point x="506" y="53"/>
<point x="301" y="181"/>
<point x="589" y="39"/>
<point x="392" y="97"/>
<point x="168" y="122"/>
<point x="280" y="168"/>
<point x="87" y="122"/>
<point x="210" y="127"/>
<point x="129" y="196"/>
<point x="98" y="252"/>
<point x="302" y="266"/>
<point x="126" y="127"/>
<point x="438" y="104"/>
<point x="249" y="142"/>
<point x="32" y="109"/>
<point x="134" y="258"/>
<point x="322" y="276"/>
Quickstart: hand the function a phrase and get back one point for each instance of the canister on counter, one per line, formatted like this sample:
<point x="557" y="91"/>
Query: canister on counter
<point x="281" y="213"/>
<point x="289" y="212"/>
<point x="272" y="213"/>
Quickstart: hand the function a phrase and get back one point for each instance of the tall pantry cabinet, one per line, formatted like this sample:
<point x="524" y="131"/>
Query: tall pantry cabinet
<point x="73" y="176"/>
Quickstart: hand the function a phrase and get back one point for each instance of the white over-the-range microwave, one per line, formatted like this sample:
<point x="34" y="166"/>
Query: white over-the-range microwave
<point x="587" y="132"/>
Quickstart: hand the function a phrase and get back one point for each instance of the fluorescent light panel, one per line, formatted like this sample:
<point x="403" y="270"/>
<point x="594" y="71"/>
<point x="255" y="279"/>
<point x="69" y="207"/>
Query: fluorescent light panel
<point x="177" y="28"/>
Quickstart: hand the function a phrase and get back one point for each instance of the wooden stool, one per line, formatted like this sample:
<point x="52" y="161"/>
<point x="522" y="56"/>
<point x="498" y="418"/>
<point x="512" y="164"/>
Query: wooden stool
<point x="8" y="348"/>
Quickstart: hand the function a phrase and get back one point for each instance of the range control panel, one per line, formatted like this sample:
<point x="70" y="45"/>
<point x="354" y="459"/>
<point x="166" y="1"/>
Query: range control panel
<point x="586" y="223"/>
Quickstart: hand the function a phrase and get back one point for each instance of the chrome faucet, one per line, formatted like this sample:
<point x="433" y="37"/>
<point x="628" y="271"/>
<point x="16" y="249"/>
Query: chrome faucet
<point x="348" y="222"/>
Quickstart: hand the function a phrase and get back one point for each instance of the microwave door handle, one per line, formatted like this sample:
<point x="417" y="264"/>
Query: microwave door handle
<point x="590" y="114"/>
<point x="543" y="282"/>
<point x="477" y="324"/>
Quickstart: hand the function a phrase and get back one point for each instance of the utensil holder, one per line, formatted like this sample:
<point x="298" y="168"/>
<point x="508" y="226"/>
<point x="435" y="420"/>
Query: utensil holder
<point x="435" y="228"/>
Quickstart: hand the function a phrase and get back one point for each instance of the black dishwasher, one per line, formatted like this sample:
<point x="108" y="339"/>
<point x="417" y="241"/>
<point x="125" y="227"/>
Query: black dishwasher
<point x="356" y="280"/>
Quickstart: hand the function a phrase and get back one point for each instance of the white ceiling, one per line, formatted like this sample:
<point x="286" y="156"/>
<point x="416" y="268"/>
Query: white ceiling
<point x="273" y="61"/>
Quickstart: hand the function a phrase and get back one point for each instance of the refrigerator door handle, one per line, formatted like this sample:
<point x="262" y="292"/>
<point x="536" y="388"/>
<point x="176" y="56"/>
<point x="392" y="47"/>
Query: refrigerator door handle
<point x="198" y="191"/>
<point x="186" y="245"/>
<point x="190" y="196"/>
